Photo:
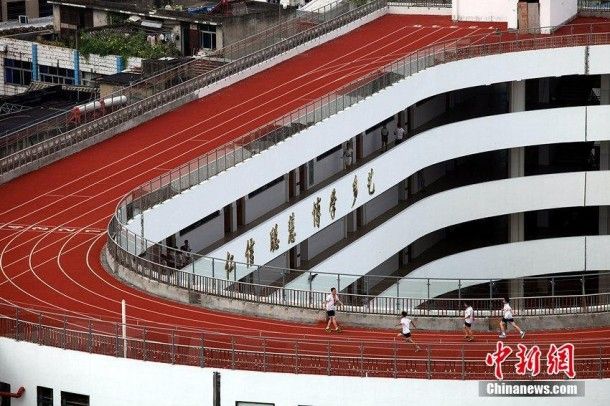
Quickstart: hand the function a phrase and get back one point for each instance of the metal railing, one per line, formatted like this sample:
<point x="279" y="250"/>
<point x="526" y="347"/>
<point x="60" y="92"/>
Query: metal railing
<point x="565" y="294"/>
<point x="176" y="85"/>
<point x="594" y="5"/>
<point x="424" y="3"/>
<point x="210" y="164"/>
<point x="285" y="29"/>
<point x="288" y="354"/>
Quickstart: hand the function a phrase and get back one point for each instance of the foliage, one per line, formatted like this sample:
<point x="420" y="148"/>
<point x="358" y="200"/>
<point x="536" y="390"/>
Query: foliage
<point x="123" y="44"/>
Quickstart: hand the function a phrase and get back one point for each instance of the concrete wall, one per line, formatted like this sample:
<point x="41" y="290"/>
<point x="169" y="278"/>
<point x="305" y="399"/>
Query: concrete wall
<point x="508" y="261"/>
<point x="57" y="57"/>
<point x="265" y="201"/>
<point x="399" y="8"/>
<point x="477" y="10"/>
<point x="116" y="381"/>
<point x="556" y="12"/>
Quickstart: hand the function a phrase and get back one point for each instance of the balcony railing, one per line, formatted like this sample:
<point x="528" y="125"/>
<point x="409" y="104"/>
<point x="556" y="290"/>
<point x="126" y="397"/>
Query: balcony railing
<point x="594" y="6"/>
<point x="566" y="294"/>
<point x="365" y="358"/>
<point x="424" y="3"/>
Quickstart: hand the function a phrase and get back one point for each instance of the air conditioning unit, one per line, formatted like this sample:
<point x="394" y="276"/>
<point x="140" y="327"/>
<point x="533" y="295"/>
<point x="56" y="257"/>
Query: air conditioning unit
<point x="24" y="20"/>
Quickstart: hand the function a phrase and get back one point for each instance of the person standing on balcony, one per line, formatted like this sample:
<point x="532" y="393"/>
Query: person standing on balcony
<point x="332" y="301"/>
<point x="468" y="320"/>
<point x="507" y="318"/>
<point x="384" y="137"/>
<point x="399" y="132"/>
<point x="405" y="322"/>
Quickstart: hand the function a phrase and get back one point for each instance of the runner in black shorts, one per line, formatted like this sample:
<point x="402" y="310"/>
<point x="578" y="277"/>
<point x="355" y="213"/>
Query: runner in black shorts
<point x="507" y="318"/>
<point x="406" y="332"/>
<point x="332" y="300"/>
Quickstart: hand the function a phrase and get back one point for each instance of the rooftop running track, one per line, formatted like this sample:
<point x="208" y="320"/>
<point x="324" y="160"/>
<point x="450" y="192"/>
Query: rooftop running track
<point x="53" y="221"/>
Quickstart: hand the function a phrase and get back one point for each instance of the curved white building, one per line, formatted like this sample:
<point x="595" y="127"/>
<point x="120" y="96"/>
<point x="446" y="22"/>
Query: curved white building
<point x="414" y="155"/>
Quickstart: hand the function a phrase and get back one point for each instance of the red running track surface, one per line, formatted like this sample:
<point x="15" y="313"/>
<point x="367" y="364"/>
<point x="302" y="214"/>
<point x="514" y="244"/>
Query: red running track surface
<point x="52" y="221"/>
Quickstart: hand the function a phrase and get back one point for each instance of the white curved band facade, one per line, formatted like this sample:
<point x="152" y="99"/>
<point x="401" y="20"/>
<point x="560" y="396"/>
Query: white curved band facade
<point x="457" y="206"/>
<point x="188" y="207"/>
<point x="574" y="124"/>
<point x="507" y="261"/>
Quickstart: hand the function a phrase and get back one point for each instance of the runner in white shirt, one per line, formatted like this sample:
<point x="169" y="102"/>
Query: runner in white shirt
<point x="406" y="331"/>
<point x="332" y="300"/>
<point x="507" y="318"/>
<point x="468" y="320"/>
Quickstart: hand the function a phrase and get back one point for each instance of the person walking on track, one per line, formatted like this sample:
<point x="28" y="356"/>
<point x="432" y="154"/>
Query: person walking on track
<point x="332" y="301"/>
<point x="507" y="318"/>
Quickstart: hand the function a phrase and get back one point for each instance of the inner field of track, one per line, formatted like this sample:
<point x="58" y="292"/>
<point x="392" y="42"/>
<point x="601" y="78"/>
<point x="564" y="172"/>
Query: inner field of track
<point x="54" y="270"/>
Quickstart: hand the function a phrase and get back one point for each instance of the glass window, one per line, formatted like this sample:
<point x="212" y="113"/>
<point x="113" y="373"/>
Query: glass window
<point x="207" y="39"/>
<point x="53" y="74"/>
<point x="45" y="396"/>
<point x="17" y="72"/>
<point x="74" y="399"/>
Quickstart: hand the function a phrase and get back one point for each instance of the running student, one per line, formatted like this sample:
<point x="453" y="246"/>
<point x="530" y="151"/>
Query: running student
<point x="468" y="320"/>
<point x="406" y="331"/>
<point x="331" y="306"/>
<point x="507" y="318"/>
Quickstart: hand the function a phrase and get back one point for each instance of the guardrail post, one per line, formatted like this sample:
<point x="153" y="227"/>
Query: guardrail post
<point x="395" y="351"/>
<point x="328" y="366"/>
<point x="429" y="365"/>
<point x="428" y="301"/>
<point x="90" y="338"/>
<point x="490" y="297"/>
<point x="40" y="340"/>
<point x="16" y="324"/>
<point x="202" y="352"/>
<point x="144" y="344"/>
<point x="65" y="335"/>
<point x="232" y="352"/>
<point x="361" y="360"/>
<point x="296" y="357"/>
<point x="463" y="365"/>
<point x="264" y="355"/>
<point x="116" y="336"/>
<point x="174" y="346"/>
<point x="601" y="373"/>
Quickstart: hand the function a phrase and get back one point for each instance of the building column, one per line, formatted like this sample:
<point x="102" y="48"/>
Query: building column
<point x="119" y="64"/>
<point x="516" y="168"/>
<point x="604" y="165"/>
<point x="35" y="72"/>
